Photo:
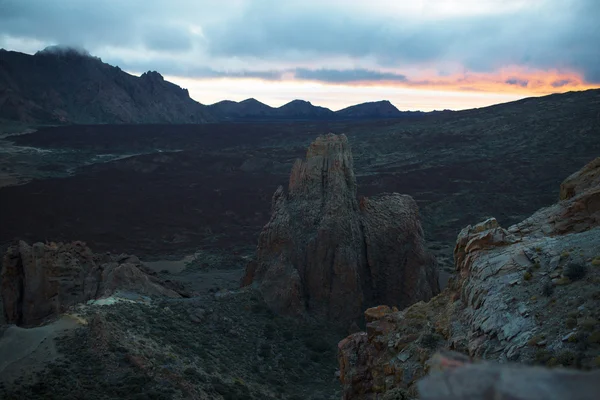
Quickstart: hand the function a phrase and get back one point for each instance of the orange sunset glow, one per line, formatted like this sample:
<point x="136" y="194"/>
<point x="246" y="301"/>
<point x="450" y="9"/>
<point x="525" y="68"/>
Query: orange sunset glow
<point x="420" y="55"/>
<point x="425" y="93"/>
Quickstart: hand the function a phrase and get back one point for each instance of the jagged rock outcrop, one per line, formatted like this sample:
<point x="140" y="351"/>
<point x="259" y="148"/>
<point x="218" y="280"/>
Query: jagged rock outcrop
<point x="587" y="177"/>
<point x="325" y="253"/>
<point x="526" y="294"/>
<point x="43" y="280"/>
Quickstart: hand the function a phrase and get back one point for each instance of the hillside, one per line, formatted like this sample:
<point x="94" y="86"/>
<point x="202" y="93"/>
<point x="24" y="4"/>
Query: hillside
<point x="59" y="85"/>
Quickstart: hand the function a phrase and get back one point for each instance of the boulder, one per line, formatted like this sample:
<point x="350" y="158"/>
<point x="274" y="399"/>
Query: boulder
<point x="325" y="254"/>
<point x="456" y="378"/>
<point x="44" y="280"/>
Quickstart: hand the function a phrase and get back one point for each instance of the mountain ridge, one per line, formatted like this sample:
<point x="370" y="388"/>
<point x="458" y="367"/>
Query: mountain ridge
<point x="41" y="88"/>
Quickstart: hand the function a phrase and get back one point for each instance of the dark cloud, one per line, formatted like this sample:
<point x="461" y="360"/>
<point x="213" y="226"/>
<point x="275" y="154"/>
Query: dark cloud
<point x="168" y="66"/>
<point x="346" y="75"/>
<point x="552" y="37"/>
<point x="561" y="83"/>
<point x="558" y="34"/>
<point x="69" y="22"/>
<point x="517" y="82"/>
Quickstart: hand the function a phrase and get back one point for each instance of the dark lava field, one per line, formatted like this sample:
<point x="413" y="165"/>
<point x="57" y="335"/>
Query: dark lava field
<point x="164" y="191"/>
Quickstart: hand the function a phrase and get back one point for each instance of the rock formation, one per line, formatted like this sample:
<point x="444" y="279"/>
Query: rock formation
<point x="325" y="253"/>
<point x="527" y="294"/>
<point x="43" y="280"/>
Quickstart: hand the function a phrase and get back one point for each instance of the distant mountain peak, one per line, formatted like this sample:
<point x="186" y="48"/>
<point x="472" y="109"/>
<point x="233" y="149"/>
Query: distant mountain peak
<point x="251" y="100"/>
<point x="299" y="101"/>
<point x="152" y="75"/>
<point x="381" y="108"/>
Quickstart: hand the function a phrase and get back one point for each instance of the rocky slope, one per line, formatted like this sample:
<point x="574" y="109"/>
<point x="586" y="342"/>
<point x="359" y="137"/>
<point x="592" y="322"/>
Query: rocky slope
<point x="62" y="85"/>
<point x="528" y="293"/>
<point x="44" y="280"/>
<point x="326" y="254"/>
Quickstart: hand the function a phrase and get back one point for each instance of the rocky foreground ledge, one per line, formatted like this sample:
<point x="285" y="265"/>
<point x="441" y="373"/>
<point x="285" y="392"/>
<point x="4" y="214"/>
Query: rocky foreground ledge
<point x="41" y="281"/>
<point x="528" y="294"/>
<point x="325" y="253"/>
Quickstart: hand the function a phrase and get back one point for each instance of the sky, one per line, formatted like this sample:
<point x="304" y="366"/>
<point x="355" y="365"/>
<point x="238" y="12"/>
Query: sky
<point x="419" y="54"/>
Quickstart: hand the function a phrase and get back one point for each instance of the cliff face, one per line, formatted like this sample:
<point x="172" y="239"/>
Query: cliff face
<point x="68" y="86"/>
<point x="44" y="280"/>
<point x="527" y="294"/>
<point x="326" y="254"/>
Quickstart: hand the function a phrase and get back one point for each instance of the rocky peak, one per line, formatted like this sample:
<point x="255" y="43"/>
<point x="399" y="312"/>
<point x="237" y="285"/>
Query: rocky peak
<point x="152" y="76"/>
<point x="327" y="172"/>
<point x="323" y="253"/>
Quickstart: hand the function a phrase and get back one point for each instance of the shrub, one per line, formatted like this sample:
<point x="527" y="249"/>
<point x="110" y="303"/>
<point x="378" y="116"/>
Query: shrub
<point x="566" y="358"/>
<point x="527" y="276"/>
<point x="574" y="271"/>
<point x="571" y="323"/>
<point x="429" y="341"/>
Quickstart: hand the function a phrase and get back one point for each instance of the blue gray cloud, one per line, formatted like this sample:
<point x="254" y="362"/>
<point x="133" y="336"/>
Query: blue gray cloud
<point x="206" y="37"/>
<point x="346" y="75"/>
<point x="517" y="81"/>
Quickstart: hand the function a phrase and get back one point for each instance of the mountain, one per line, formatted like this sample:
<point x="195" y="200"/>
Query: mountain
<point x="253" y="109"/>
<point x="61" y="85"/>
<point x="303" y="109"/>
<point x="375" y="109"/>
<point x="249" y="108"/>
<point x="65" y="85"/>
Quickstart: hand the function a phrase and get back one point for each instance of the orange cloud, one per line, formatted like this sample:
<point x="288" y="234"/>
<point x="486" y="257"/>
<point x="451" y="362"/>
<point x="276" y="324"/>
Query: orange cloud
<point x="510" y="80"/>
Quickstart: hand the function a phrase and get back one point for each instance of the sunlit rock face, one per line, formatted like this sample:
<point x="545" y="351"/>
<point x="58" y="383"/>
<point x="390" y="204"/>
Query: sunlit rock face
<point x="327" y="254"/>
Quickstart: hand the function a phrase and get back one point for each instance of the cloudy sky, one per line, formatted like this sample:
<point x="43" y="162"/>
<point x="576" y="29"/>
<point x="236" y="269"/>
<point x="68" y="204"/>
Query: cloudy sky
<point x="419" y="54"/>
